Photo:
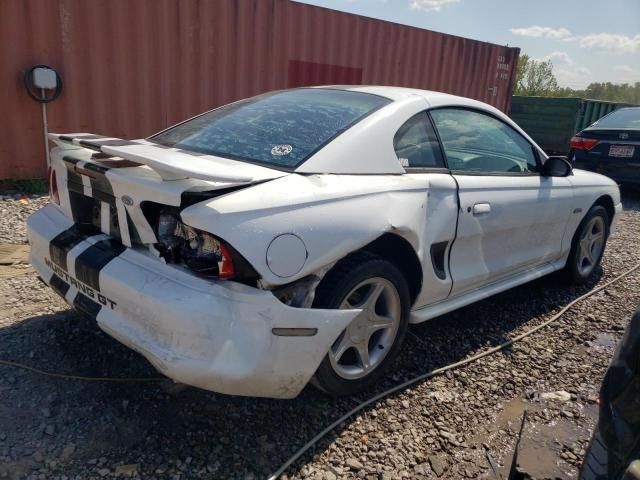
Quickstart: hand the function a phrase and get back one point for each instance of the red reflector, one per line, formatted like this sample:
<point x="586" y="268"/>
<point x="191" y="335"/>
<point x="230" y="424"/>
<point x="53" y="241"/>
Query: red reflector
<point x="226" y="268"/>
<point x="53" y="186"/>
<point x="581" y="143"/>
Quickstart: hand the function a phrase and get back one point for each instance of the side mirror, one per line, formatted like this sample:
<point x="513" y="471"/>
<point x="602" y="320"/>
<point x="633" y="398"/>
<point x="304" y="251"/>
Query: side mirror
<point x="556" y="167"/>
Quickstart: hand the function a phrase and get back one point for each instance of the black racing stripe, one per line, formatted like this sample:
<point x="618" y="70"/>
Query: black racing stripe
<point x="68" y="138"/>
<point x="102" y="184"/>
<point x="134" y="235"/>
<point x="95" y="167"/>
<point x="74" y="184"/>
<point x="110" y="161"/>
<point x="101" y="156"/>
<point x="114" y="163"/>
<point x="92" y="146"/>
<point x="81" y="206"/>
<point x="95" y="258"/>
<point x="102" y="196"/>
<point x="110" y="143"/>
<point x="101" y="188"/>
<point x="62" y="243"/>
<point x="71" y="160"/>
<point x="75" y="187"/>
<point x="59" y="286"/>
<point x="87" y="306"/>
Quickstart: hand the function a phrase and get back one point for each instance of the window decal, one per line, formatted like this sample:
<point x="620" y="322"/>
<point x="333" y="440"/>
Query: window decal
<point x="280" y="150"/>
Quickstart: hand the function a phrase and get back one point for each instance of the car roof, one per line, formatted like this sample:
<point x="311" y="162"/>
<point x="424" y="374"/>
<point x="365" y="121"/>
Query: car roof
<point x="372" y="137"/>
<point x="400" y="93"/>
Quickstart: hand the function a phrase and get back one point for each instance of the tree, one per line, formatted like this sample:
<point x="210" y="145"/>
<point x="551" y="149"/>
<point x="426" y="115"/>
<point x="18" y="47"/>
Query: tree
<point x="614" y="92"/>
<point x="535" y="77"/>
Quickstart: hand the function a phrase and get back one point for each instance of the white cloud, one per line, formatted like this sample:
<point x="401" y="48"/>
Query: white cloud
<point x="558" y="58"/>
<point x="608" y="41"/>
<point x="538" y="31"/>
<point x="626" y="74"/>
<point x="623" y="68"/>
<point x="430" y="5"/>
<point x="574" y="77"/>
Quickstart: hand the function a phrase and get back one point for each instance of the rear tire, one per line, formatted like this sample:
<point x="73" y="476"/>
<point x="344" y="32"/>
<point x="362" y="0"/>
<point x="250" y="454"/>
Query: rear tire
<point x="362" y="352"/>
<point x="587" y="246"/>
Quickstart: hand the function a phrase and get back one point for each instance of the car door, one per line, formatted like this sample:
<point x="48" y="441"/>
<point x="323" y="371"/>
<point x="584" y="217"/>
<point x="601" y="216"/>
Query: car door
<point x="510" y="217"/>
<point x="416" y="146"/>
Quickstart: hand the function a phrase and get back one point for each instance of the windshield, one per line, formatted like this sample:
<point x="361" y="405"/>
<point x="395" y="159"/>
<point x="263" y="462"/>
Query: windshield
<point x="623" y="118"/>
<point x="280" y="129"/>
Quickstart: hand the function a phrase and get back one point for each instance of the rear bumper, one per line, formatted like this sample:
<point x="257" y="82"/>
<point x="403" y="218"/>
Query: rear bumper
<point x="626" y="171"/>
<point x="216" y="335"/>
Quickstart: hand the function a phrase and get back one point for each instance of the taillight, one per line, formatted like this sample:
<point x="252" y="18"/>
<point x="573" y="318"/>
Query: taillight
<point x="226" y="267"/>
<point x="53" y="186"/>
<point x="581" y="143"/>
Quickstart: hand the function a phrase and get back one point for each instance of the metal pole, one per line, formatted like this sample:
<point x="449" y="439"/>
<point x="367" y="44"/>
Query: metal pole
<point x="45" y="128"/>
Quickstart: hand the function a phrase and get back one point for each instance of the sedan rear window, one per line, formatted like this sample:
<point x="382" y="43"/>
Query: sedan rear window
<point x="623" y="118"/>
<point x="280" y="129"/>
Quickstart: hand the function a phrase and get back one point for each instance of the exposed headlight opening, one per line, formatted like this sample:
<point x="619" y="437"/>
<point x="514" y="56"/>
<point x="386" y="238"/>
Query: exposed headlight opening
<point x="200" y="251"/>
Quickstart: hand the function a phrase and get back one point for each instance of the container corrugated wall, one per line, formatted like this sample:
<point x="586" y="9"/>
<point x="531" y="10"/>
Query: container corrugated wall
<point x="131" y="68"/>
<point x="592" y="110"/>
<point x="552" y="121"/>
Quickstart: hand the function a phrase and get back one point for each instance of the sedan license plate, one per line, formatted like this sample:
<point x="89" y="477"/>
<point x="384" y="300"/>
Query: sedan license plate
<point x="621" y="151"/>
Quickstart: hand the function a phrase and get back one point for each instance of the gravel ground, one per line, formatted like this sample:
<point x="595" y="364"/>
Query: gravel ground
<point x="14" y="208"/>
<point x="462" y="424"/>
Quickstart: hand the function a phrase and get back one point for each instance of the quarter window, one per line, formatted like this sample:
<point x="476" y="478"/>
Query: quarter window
<point x="416" y="144"/>
<point x="478" y="142"/>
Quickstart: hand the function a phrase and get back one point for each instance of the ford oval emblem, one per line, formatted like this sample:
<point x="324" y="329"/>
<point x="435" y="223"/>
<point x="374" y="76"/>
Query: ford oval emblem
<point x="624" y="136"/>
<point x="127" y="200"/>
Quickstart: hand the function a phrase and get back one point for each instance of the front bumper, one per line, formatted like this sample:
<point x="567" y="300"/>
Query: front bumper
<point x="616" y="217"/>
<point x="215" y="335"/>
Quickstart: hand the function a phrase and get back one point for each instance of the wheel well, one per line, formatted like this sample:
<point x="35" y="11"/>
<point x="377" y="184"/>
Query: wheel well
<point x="607" y="202"/>
<point x="399" y="251"/>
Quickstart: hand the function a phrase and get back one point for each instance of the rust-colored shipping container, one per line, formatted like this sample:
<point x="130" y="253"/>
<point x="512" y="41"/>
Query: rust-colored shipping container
<point x="131" y="68"/>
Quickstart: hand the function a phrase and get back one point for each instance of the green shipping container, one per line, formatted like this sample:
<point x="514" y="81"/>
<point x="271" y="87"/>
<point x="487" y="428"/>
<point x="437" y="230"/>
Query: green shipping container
<point x="551" y="121"/>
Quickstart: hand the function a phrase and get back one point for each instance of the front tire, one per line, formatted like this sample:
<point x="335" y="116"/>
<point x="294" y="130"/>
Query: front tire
<point x="374" y="338"/>
<point x="588" y="245"/>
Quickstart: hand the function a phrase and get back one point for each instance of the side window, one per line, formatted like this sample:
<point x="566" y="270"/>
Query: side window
<point x="416" y="144"/>
<point x="477" y="142"/>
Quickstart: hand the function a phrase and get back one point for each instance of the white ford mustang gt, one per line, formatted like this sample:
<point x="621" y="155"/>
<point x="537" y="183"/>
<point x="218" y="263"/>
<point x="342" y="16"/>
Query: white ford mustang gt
<point x="293" y="236"/>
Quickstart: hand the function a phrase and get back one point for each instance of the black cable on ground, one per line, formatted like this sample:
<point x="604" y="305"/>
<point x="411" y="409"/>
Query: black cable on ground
<point x="9" y="363"/>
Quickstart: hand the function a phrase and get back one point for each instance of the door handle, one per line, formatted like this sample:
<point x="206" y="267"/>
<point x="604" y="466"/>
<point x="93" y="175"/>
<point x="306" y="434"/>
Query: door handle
<point x="481" y="209"/>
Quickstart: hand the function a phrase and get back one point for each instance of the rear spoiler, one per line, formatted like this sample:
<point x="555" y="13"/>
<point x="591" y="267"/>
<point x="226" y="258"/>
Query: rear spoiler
<point x="170" y="163"/>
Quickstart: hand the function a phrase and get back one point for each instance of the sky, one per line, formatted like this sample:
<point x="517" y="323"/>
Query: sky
<point x="586" y="40"/>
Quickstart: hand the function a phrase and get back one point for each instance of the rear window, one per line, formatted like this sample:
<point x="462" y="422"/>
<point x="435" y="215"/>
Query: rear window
<point x="280" y="129"/>
<point x="623" y="118"/>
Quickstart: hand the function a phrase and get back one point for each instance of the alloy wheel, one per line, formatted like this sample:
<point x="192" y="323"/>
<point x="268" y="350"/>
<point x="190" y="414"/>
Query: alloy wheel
<point x="591" y="245"/>
<point x="364" y="344"/>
